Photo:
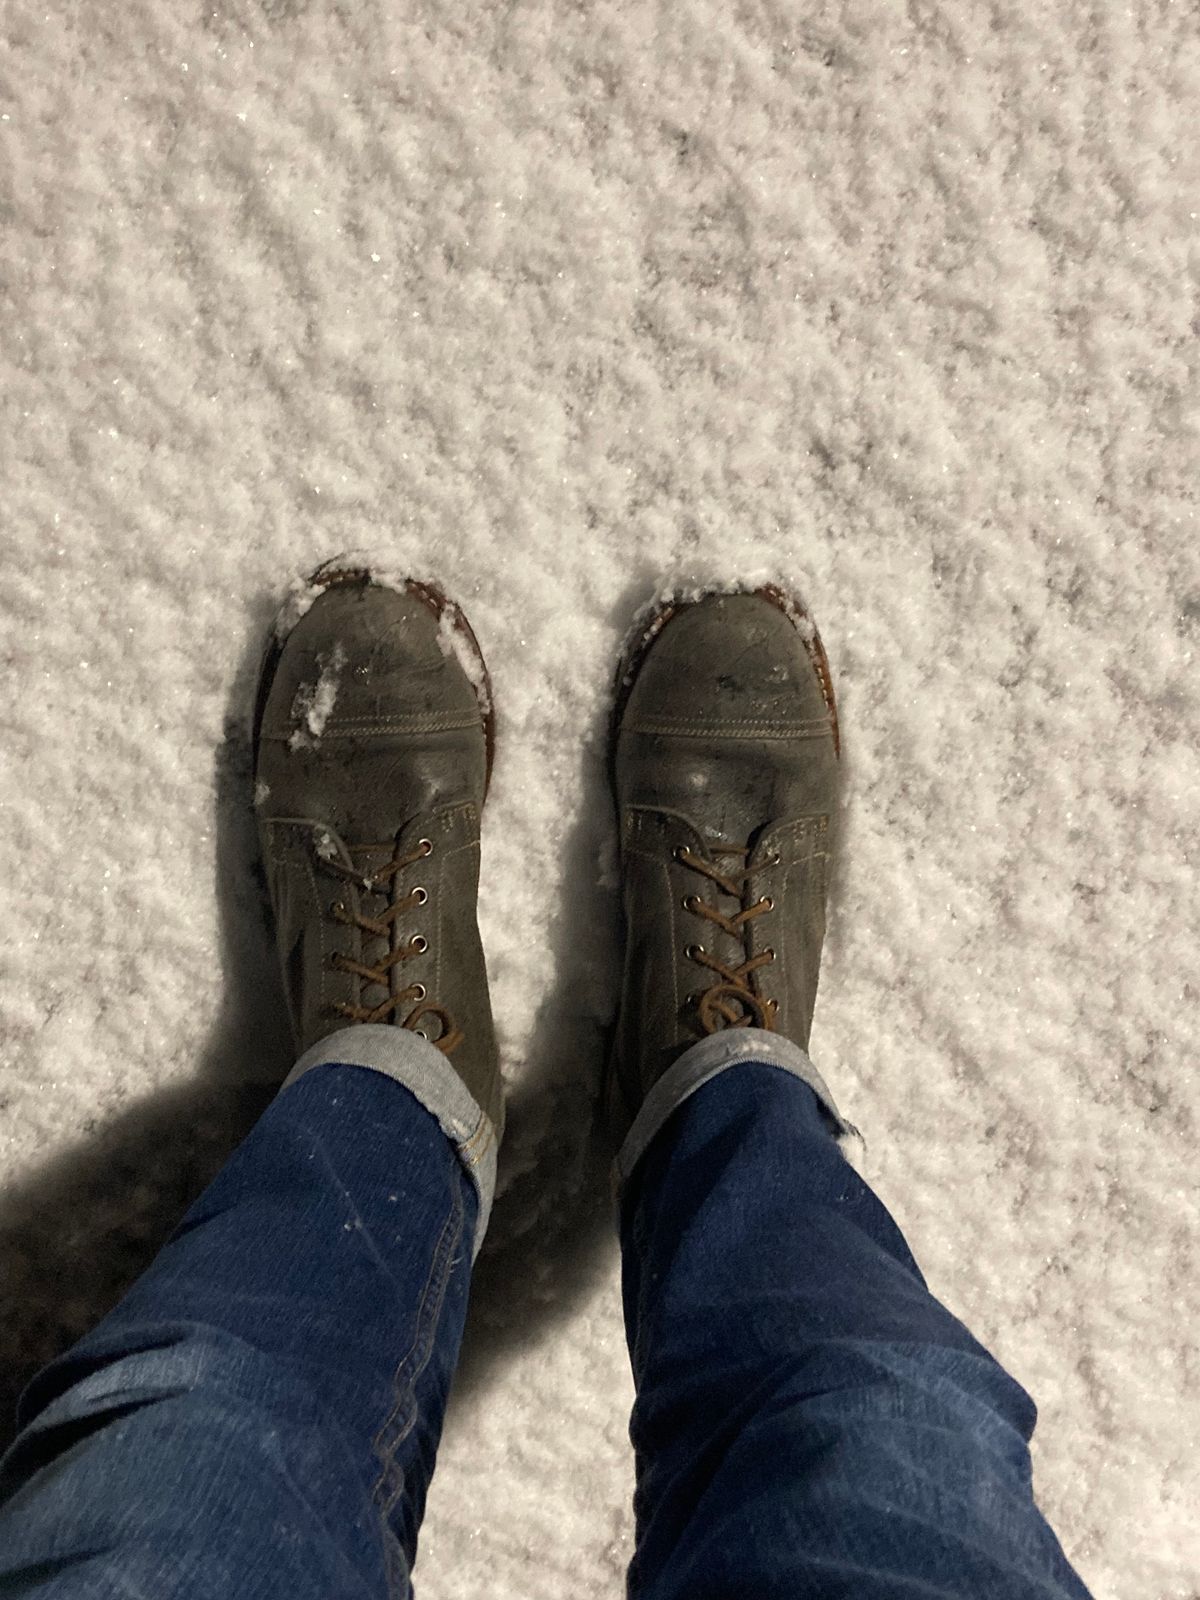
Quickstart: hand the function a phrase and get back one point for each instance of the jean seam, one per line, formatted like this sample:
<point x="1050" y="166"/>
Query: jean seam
<point x="413" y="1362"/>
<point x="410" y="1367"/>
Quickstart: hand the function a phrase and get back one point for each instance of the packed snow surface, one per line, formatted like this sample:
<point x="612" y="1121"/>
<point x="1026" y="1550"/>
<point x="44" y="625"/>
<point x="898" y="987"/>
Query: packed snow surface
<point x="559" y="304"/>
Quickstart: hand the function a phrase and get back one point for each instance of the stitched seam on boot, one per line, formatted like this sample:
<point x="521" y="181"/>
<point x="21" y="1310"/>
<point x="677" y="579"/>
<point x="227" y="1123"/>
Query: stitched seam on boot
<point x="440" y="892"/>
<point x="797" y="833"/>
<point x="448" y="819"/>
<point x="661" y="721"/>
<point x="472" y="845"/>
<point x="457" y="849"/>
<point x="734" y="730"/>
<point x="781" y="955"/>
<point x="447" y="823"/>
<point x="632" y="853"/>
<point x="316" y="894"/>
<point x="348" y="727"/>
<point x="666" y="871"/>
<point x="427" y="719"/>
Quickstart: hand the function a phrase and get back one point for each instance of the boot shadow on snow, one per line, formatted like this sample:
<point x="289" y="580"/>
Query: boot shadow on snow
<point x="553" y="1228"/>
<point x="76" y="1233"/>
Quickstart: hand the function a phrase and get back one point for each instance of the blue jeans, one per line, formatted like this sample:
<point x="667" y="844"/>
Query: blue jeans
<point x="259" y="1416"/>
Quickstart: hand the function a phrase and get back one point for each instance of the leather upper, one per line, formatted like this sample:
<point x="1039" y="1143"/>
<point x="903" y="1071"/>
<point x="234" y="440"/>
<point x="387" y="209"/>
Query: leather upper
<point x="372" y="751"/>
<point x="724" y="754"/>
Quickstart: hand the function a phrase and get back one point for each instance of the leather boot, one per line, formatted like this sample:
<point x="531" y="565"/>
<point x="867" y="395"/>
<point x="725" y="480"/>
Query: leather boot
<point x="373" y="745"/>
<point x="725" y="766"/>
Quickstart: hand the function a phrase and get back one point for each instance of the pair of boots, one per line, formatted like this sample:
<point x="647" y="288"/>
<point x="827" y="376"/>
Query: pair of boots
<point x="374" y="737"/>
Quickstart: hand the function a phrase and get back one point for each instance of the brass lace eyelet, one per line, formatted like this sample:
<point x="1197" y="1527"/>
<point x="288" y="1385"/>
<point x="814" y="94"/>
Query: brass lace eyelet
<point x="419" y="943"/>
<point x="420" y="894"/>
<point x="336" y="908"/>
<point x="691" y="902"/>
<point x="694" y="952"/>
<point x="425" y="846"/>
<point x="767" y="902"/>
<point x="679" y="852"/>
<point x="770" y="951"/>
<point x="419" y="991"/>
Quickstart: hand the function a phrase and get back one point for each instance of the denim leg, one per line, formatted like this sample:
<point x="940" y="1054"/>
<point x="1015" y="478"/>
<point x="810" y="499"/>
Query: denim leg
<point x="809" y="1421"/>
<point x="259" y="1416"/>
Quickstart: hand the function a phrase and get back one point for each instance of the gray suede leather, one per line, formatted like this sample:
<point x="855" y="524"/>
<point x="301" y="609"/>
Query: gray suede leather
<point x="399" y="758"/>
<point x="725" y="742"/>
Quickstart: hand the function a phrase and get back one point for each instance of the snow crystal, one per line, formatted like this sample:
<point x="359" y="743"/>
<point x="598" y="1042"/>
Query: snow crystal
<point x="453" y="641"/>
<point x="314" y="702"/>
<point x="326" y="844"/>
<point x="298" y="599"/>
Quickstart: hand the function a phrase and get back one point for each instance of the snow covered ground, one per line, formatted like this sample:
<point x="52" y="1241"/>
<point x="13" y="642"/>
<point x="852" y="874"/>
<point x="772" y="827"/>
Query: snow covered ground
<point x="550" y="300"/>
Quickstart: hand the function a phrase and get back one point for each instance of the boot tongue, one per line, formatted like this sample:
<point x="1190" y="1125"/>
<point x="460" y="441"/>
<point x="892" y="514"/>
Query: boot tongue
<point x="733" y="846"/>
<point x="370" y="859"/>
<point x="732" y="800"/>
<point x="366" y="861"/>
<point x="727" y="858"/>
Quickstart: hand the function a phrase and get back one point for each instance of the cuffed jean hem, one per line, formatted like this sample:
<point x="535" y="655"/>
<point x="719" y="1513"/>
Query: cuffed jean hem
<point x="705" y="1060"/>
<point x="424" y="1071"/>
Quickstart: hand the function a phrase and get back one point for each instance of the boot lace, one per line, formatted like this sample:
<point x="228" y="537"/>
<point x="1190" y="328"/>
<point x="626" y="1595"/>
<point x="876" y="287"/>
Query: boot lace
<point x="733" y="1001"/>
<point x="382" y="881"/>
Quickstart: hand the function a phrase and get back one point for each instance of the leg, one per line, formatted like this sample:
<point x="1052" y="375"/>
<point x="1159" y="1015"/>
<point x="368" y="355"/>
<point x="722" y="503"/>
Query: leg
<point x="260" y="1415"/>
<point x="809" y="1420"/>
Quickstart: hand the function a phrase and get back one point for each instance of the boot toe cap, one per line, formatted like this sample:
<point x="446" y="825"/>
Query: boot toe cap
<point x="365" y="655"/>
<point x="727" y="662"/>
